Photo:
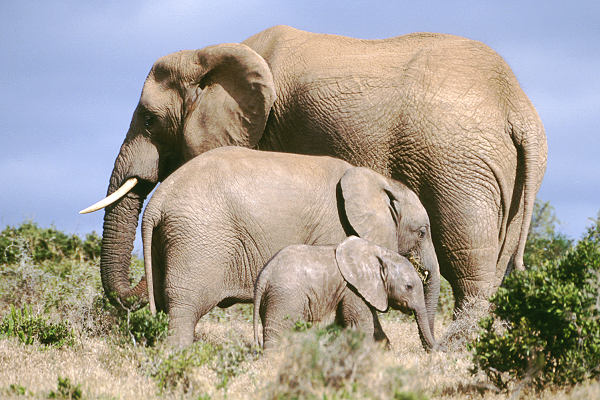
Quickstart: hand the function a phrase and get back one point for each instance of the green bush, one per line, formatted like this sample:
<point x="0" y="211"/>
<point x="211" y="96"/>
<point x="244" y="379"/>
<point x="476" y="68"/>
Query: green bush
<point x="545" y="325"/>
<point x="14" y="389"/>
<point x="57" y="274"/>
<point x="144" y="328"/>
<point x="40" y="244"/>
<point x="229" y="359"/>
<point x="172" y="370"/>
<point x="543" y="242"/>
<point x="29" y="328"/>
<point x="66" y="390"/>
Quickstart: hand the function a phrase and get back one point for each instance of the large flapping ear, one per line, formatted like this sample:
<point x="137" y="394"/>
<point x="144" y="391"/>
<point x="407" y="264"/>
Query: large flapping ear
<point x="230" y="94"/>
<point x="359" y="264"/>
<point x="369" y="206"/>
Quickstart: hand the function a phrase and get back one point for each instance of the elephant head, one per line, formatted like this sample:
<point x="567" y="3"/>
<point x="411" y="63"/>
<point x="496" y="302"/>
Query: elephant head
<point x="389" y="214"/>
<point x="384" y="278"/>
<point x="192" y="101"/>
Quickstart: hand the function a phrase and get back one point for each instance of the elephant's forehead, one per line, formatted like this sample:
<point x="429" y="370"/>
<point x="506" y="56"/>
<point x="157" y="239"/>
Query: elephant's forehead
<point x="156" y="97"/>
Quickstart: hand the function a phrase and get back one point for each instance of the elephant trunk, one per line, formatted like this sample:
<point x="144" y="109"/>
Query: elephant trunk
<point x="425" y="333"/>
<point x="432" y="285"/>
<point x="120" y="223"/>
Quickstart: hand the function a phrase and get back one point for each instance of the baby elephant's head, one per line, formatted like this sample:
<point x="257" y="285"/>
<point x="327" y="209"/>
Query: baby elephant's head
<point x="384" y="278"/>
<point x="403" y="284"/>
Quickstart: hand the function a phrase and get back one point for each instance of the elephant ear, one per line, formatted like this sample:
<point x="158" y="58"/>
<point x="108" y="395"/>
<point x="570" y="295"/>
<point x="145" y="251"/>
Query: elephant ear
<point x="371" y="205"/>
<point x="229" y="99"/>
<point x="360" y="265"/>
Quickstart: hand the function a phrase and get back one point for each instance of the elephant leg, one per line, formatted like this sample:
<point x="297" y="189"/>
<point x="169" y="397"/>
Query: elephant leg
<point x="182" y="324"/>
<point x="280" y="317"/>
<point x="478" y="282"/>
<point x="184" y="315"/>
<point x="467" y="248"/>
<point x="354" y="313"/>
<point x="378" y="334"/>
<point x="191" y="291"/>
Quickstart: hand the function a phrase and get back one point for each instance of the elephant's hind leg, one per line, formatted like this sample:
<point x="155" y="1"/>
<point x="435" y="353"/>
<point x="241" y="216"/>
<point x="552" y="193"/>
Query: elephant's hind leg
<point x="466" y="239"/>
<point x="279" y="315"/>
<point x="184" y="316"/>
<point x="188" y="299"/>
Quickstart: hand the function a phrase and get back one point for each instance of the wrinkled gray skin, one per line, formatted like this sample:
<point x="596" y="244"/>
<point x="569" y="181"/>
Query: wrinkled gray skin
<point x="352" y="280"/>
<point x="443" y="114"/>
<point x="213" y="224"/>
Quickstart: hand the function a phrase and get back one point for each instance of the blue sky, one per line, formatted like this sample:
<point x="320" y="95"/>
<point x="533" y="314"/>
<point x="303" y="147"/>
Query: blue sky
<point x="71" y="73"/>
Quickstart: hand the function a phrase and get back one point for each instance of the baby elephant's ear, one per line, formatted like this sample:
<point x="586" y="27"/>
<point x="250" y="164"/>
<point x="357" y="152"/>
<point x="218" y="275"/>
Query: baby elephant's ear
<point x="361" y="267"/>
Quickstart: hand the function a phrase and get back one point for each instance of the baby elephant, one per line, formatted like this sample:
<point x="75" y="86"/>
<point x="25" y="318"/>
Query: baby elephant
<point x="352" y="280"/>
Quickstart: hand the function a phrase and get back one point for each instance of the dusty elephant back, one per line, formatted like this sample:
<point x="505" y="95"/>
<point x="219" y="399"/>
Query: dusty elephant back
<point x="386" y="86"/>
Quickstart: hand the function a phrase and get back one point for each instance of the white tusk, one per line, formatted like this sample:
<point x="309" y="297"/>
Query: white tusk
<point x="108" y="200"/>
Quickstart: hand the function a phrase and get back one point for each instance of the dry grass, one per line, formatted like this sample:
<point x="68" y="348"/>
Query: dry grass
<point x="106" y="370"/>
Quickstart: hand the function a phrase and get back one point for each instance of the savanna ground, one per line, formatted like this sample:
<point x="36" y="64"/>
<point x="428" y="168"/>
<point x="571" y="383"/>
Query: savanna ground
<point x="50" y="292"/>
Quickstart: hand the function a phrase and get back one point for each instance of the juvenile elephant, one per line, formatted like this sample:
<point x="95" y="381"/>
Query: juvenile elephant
<point x="213" y="223"/>
<point x="353" y="280"/>
<point x="441" y="113"/>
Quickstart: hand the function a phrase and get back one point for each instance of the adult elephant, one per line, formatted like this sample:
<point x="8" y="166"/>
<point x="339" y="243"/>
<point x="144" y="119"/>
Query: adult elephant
<point x="443" y="114"/>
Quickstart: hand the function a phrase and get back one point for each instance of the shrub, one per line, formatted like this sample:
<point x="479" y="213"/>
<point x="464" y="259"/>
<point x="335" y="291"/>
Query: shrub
<point x="64" y="281"/>
<point x="173" y="370"/>
<point x="42" y="244"/>
<point x="545" y="325"/>
<point x="14" y="389"/>
<point x="144" y="328"/>
<point x="66" y="390"/>
<point x="229" y="359"/>
<point x="334" y="363"/>
<point x="29" y="328"/>
<point x="543" y="242"/>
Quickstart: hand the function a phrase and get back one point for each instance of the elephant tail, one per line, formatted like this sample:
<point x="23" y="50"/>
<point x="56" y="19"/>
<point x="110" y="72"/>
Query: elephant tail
<point x="258" y="292"/>
<point x="149" y="222"/>
<point x="532" y="150"/>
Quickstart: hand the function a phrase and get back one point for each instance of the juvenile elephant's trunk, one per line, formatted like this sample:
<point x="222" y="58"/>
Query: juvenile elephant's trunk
<point x="120" y="223"/>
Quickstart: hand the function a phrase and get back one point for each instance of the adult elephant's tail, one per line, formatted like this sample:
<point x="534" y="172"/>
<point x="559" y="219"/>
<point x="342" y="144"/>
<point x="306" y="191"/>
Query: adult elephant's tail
<point x="258" y="291"/>
<point x="149" y="222"/>
<point x="532" y="149"/>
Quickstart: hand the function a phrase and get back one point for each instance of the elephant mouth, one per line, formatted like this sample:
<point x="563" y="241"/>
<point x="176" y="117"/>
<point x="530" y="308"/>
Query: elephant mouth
<point x="167" y="165"/>
<point x="418" y="265"/>
<point x="402" y="306"/>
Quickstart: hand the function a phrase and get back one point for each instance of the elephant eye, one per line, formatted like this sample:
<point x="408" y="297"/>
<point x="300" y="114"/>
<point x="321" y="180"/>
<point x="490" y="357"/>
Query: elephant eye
<point x="422" y="232"/>
<point x="148" y="120"/>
